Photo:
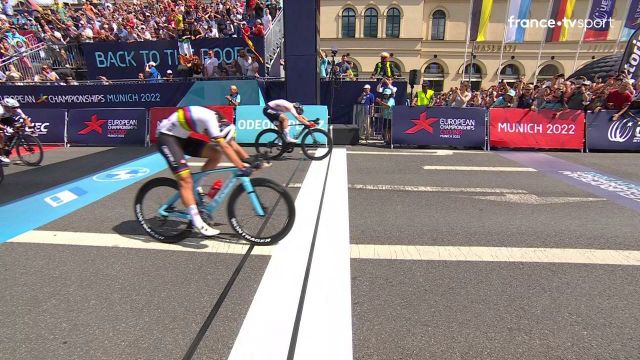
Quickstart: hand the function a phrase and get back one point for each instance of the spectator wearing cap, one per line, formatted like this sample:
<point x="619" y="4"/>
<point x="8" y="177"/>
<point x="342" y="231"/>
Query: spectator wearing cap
<point x="386" y="103"/>
<point x="151" y="73"/>
<point x="169" y="76"/>
<point x="366" y="98"/>
<point x="526" y="100"/>
<point x="505" y="101"/>
<point x="384" y="68"/>
<point x="258" y="29"/>
<point x="424" y="96"/>
<point x="578" y="97"/>
<point x="555" y="101"/>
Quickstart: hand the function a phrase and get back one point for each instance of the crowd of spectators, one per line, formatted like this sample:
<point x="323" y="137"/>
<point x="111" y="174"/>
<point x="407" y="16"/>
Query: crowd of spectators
<point x="63" y="24"/>
<point x="614" y="91"/>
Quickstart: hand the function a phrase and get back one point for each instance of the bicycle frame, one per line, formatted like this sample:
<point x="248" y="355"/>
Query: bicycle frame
<point x="215" y="203"/>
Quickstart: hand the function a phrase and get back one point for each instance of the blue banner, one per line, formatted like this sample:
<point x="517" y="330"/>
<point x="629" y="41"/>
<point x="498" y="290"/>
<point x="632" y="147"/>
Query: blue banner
<point x="107" y="127"/>
<point x="444" y="126"/>
<point x="605" y="134"/>
<point x="134" y="95"/>
<point x="250" y="121"/>
<point x="122" y="60"/>
<point x="49" y="124"/>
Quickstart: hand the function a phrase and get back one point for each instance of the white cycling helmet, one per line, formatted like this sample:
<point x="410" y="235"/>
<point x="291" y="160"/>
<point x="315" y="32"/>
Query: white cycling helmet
<point x="299" y="108"/>
<point x="10" y="103"/>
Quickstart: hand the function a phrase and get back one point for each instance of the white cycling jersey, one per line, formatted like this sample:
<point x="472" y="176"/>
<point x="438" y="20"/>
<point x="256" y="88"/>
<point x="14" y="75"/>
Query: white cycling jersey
<point x="17" y="114"/>
<point x="282" y="106"/>
<point x="192" y="118"/>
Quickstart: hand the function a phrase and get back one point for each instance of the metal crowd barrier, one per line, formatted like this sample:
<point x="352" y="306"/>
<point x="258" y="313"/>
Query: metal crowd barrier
<point x="371" y="121"/>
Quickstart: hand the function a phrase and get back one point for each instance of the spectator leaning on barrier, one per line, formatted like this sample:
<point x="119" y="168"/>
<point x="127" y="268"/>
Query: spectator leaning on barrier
<point x="244" y="60"/>
<point x="579" y="96"/>
<point x="619" y="99"/>
<point x="555" y="101"/>
<point x="151" y="73"/>
<point x="526" y="100"/>
<point x="254" y="67"/>
<point x="460" y="96"/>
<point x="211" y="66"/>
<point x="424" y="96"/>
<point x="169" y="76"/>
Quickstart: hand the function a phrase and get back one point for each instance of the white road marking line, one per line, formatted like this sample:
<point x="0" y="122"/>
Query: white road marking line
<point x="358" y="251"/>
<point x="534" y="199"/>
<point x="201" y="163"/>
<point x="417" y="152"/>
<point x="267" y="328"/>
<point x="325" y="327"/>
<point x="426" y="188"/>
<point x="496" y="254"/>
<point x="480" y="168"/>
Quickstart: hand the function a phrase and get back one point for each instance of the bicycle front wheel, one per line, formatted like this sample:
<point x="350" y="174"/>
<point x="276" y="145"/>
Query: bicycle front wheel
<point x="170" y="226"/>
<point x="29" y="150"/>
<point x="277" y="206"/>
<point x="270" y="143"/>
<point x="313" y="143"/>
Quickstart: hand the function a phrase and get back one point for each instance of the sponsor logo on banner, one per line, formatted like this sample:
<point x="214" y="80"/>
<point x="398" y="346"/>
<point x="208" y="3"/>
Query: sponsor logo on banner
<point x="622" y="130"/>
<point x="449" y="128"/>
<point x="116" y="128"/>
<point x="122" y="174"/>
<point x="41" y="128"/>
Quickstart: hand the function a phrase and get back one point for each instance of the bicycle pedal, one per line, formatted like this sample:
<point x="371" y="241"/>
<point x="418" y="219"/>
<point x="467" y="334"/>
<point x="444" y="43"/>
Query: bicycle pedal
<point x="290" y="149"/>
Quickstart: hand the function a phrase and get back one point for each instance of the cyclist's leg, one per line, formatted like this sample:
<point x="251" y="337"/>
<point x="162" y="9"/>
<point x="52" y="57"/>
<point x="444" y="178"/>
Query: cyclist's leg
<point x="171" y="149"/>
<point x="284" y="127"/>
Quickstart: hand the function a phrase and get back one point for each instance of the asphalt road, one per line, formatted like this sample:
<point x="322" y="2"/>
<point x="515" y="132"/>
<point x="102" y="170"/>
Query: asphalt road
<point x="134" y="300"/>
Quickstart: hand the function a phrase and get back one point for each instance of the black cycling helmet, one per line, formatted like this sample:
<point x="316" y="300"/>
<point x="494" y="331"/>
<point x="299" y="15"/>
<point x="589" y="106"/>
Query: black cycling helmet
<point x="299" y="108"/>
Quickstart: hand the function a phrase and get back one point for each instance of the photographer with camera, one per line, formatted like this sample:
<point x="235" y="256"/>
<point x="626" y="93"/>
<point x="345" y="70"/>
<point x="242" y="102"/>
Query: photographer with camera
<point x="460" y="96"/>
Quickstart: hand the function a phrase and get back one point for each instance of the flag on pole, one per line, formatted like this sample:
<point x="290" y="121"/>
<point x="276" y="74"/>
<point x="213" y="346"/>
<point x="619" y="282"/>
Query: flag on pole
<point x="600" y="16"/>
<point x="561" y="10"/>
<point x="518" y="10"/>
<point x="480" y="14"/>
<point x="251" y="46"/>
<point x="632" y="23"/>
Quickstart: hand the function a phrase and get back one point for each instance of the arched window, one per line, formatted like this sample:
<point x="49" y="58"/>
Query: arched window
<point x="434" y="72"/>
<point x="548" y="72"/>
<point x="371" y="23"/>
<point x="348" y="23"/>
<point x="393" y="23"/>
<point x="438" y="21"/>
<point x="510" y="73"/>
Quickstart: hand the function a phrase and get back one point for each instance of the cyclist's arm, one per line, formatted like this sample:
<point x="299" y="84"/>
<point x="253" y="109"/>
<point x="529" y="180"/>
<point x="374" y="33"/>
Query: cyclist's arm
<point x="231" y="154"/>
<point x="301" y="118"/>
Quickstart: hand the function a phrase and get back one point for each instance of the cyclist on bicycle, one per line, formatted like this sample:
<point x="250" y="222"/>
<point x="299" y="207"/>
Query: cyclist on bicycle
<point x="11" y="116"/>
<point x="275" y="111"/>
<point x="174" y="143"/>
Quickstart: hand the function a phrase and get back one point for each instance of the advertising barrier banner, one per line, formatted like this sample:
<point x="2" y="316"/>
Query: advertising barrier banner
<point x="49" y="124"/>
<point x="160" y="113"/>
<point x="107" y="127"/>
<point x="125" y="60"/>
<point x="444" y="126"/>
<point x="543" y="129"/>
<point x="250" y="121"/>
<point x="605" y="134"/>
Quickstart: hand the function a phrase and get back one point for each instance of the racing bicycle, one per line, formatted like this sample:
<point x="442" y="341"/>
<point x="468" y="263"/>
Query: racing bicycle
<point x="260" y="210"/>
<point x="27" y="146"/>
<point x="272" y="143"/>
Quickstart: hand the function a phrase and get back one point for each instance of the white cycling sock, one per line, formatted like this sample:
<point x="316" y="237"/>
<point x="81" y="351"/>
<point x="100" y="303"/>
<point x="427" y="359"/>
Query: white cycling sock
<point x="196" y="220"/>
<point x="286" y="134"/>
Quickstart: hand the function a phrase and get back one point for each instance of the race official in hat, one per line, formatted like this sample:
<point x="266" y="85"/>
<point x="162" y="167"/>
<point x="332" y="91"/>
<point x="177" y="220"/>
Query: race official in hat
<point x="424" y="96"/>
<point x="384" y="68"/>
<point x="366" y="98"/>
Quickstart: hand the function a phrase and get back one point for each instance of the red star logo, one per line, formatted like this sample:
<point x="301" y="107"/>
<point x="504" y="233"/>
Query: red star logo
<point x="423" y="123"/>
<point x="93" y="125"/>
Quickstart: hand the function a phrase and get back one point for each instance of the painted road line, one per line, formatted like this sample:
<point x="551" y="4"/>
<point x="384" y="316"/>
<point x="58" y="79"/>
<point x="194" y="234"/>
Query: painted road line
<point x="46" y="206"/>
<point x="496" y="254"/>
<point x="325" y="326"/>
<point x="480" y="168"/>
<point x="134" y="242"/>
<point x="417" y="152"/>
<point x="426" y="188"/>
<point x="531" y="199"/>
<point x="358" y="251"/>
<point x="618" y="190"/>
<point x="267" y="329"/>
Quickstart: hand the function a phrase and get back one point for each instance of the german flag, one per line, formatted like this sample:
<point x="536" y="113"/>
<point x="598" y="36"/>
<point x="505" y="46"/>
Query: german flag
<point x="34" y="6"/>
<point x="560" y="10"/>
<point x="480" y="14"/>
<point x="251" y="46"/>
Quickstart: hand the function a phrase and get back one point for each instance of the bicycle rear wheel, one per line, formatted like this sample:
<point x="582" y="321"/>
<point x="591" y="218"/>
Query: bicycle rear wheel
<point x="278" y="207"/>
<point x="313" y="141"/>
<point x="270" y="142"/>
<point x="150" y="198"/>
<point x="29" y="150"/>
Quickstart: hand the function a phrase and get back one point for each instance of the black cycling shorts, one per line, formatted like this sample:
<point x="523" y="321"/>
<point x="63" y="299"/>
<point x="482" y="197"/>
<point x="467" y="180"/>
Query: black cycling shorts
<point x="9" y="121"/>
<point x="272" y="114"/>
<point x="174" y="149"/>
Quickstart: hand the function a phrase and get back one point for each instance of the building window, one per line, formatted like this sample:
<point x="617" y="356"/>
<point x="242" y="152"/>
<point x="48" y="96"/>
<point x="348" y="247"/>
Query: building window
<point x="371" y="23"/>
<point x="510" y="73"/>
<point x="348" y="23"/>
<point x="434" y="73"/>
<point x="548" y="72"/>
<point x="438" y="21"/>
<point x="474" y="74"/>
<point x="393" y="23"/>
